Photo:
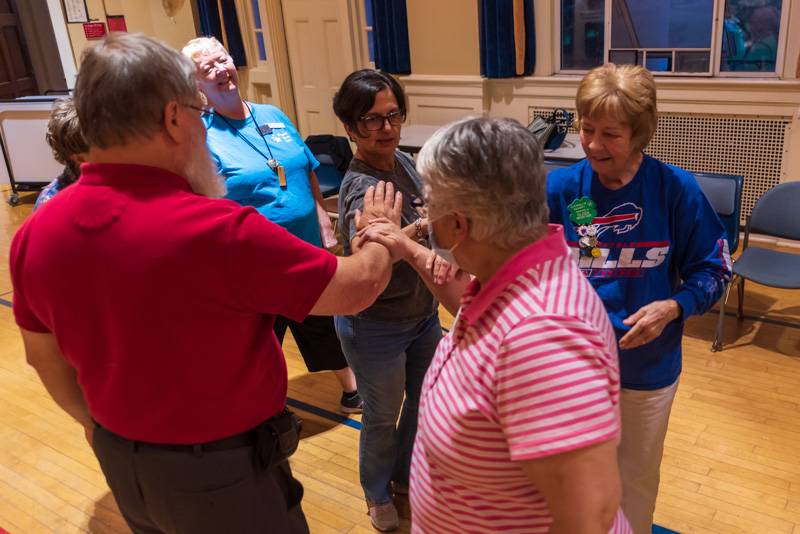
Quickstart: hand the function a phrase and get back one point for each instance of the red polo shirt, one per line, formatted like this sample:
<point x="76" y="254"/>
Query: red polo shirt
<point x="164" y="301"/>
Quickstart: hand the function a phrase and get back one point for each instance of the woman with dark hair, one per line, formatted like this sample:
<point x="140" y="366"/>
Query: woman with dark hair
<point x="389" y="345"/>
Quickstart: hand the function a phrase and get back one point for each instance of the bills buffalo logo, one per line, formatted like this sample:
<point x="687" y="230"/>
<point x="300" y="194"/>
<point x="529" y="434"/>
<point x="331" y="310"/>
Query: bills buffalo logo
<point x="615" y="259"/>
<point x="621" y="219"/>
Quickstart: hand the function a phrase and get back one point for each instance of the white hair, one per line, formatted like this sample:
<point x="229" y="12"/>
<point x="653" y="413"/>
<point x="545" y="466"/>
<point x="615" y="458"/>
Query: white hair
<point x="202" y="46"/>
<point x="491" y="170"/>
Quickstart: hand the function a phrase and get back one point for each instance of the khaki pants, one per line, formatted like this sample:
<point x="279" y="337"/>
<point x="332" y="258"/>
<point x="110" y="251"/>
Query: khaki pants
<point x="645" y="415"/>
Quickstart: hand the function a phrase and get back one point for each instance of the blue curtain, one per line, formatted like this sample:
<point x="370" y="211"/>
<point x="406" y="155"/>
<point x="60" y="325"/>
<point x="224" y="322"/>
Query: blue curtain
<point x="390" y="32"/>
<point x="498" y="56"/>
<point x="211" y="24"/>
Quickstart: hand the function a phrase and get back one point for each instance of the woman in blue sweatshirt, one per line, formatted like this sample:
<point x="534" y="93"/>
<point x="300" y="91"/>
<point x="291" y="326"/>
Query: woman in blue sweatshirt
<point x="653" y="248"/>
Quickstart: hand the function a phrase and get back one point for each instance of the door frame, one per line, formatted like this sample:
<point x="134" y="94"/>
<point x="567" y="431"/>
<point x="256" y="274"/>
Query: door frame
<point x="43" y="47"/>
<point x="19" y="83"/>
<point x="266" y="80"/>
<point x="277" y="72"/>
<point x="65" y="51"/>
<point x="271" y="80"/>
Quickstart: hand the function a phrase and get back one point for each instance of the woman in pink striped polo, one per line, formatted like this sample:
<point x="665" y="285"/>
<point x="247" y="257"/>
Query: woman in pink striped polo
<point x="519" y="416"/>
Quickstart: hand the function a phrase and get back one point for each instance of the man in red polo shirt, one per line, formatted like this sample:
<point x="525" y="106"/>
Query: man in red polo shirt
<point x="147" y="307"/>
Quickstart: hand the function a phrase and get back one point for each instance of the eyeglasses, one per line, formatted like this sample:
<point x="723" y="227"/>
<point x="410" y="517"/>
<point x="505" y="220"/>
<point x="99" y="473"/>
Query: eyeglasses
<point x="205" y="111"/>
<point x="373" y="123"/>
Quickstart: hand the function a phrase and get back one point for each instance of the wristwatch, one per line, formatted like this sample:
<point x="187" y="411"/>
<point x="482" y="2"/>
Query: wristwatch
<point x="418" y="230"/>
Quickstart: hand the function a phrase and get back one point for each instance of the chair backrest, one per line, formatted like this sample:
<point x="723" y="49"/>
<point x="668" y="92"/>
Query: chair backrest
<point x="335" y="146"/>
<point x="777" y="212"/>
<point x="724" y="193"/>
<point x="334" y="155"/>
<point x="329" y="177"/>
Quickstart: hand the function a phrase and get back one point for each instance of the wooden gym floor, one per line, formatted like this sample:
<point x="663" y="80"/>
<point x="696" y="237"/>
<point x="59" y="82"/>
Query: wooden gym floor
<point x="731" y="464"/>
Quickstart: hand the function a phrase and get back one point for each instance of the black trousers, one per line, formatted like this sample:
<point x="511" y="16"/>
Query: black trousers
<point x="164" y="491"/>
<point x="316" y="340"/>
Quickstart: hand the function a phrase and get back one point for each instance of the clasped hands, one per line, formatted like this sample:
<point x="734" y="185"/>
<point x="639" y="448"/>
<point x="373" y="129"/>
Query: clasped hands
<point x="379" y="222"/>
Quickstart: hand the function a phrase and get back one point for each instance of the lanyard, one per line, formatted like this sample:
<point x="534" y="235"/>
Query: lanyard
<point x="271" y="161"/>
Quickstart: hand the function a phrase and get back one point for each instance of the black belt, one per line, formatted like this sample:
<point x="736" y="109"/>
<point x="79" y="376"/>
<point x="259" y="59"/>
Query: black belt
<point x="247" y="438"/>
<point x="243" y="439"/>
<point x="276" y="439"/>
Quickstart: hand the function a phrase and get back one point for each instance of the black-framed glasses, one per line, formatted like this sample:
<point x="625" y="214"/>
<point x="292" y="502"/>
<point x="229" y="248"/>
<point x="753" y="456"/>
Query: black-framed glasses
<point x="373" y="123"/>
<point x="205" y="111"/>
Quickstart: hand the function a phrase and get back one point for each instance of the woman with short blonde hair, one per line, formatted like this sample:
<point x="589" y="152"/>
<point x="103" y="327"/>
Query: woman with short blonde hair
<point x="654" y="250"/>
<point x="624" y="91"/>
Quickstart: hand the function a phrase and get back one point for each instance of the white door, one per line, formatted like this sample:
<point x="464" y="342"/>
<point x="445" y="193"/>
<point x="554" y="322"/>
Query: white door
<point x="319" y="35"/>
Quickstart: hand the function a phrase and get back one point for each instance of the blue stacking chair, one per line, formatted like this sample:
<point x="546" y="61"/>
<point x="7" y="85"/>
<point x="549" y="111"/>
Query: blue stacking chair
<point x="328" y="175"/>
<point x="334" y="154"/>
<point x="775" y="214"/>
<point x="724" y="192"/>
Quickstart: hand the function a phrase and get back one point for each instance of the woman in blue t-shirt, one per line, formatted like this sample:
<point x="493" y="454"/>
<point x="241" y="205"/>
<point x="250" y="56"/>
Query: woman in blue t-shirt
<point x="654" y="250"/>
<point x="267" y="165"/>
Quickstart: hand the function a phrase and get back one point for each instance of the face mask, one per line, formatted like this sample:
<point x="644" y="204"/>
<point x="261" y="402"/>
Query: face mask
<point x="445" y="253"/>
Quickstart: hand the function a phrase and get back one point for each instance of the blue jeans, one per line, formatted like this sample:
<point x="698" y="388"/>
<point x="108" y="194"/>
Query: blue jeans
<point x="389" y="360"/>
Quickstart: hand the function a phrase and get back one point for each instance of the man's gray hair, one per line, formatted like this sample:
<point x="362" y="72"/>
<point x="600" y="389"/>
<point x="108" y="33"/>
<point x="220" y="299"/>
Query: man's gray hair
<point x="123" y="85"/>
<point x="490" y="170"/>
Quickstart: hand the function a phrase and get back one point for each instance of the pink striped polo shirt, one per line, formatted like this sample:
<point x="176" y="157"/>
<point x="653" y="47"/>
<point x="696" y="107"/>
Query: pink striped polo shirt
<point x="528" y="370"/>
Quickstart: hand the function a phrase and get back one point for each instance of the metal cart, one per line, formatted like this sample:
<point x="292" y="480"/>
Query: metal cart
<point x="29" y="162"/>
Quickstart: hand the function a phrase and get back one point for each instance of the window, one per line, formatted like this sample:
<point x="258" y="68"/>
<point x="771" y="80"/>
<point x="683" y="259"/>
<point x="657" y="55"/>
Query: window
<point x="259" y="31"/>
<point x="673" y="36"/>
<point x="368" y="28"/>
<point x="582" y="34"/>
<point x="750" y="36"/>
<point x="662" y="35"/>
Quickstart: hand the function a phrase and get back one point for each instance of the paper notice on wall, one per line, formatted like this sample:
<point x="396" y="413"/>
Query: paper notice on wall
<point x="75" y="10"/>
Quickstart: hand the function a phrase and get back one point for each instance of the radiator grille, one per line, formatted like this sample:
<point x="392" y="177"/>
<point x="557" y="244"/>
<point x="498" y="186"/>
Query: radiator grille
<point x="750" y="146"/>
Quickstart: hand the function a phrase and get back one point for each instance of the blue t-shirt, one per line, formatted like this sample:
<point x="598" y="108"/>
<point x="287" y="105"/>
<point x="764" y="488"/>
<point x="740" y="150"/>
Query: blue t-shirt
<point x="47" y="193"/>
<point x="659" y="238"/>
<point x="251" y="182"/>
